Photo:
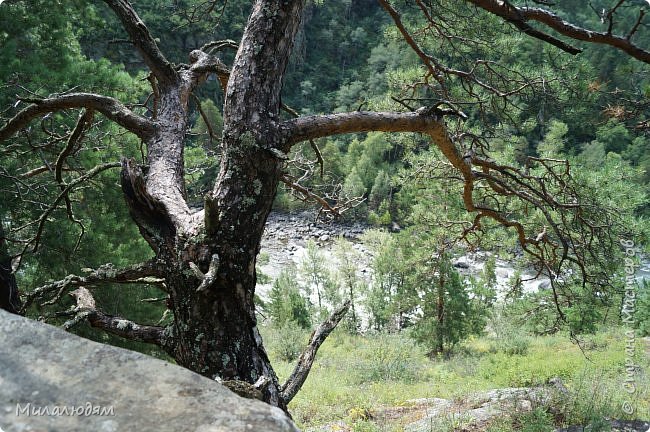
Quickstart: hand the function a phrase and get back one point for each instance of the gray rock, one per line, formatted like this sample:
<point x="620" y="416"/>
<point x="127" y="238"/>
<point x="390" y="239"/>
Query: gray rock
<point x="479" y="407"/>
<point x="436" y="410"/>
<point x="45" y="368"/>
<point x="462" y="262"/>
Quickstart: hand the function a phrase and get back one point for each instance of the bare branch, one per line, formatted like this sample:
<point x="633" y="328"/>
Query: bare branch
<point x="306" y="194"/>
<point x="293" y="384"/>
<point x="206" y="120"/>
<point x="146" y="273"/>
<point x="311" y="127"/>
<point x="636" y="25"/>
<point x="84" y="119"/>
<point x="143" y="41"/>
<point x="218" y="45"/>
<point x="40" y="170"/>
<point x="108" y="106"/>
<point x="520" y="16"/>
<point x="86" y="309"/>
<point x="64" y="193"/>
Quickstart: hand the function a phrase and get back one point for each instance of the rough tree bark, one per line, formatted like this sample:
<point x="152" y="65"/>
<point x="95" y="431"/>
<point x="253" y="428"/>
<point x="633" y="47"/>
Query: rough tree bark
<point x="214" y="332"/>
<point x="9" y="299"/>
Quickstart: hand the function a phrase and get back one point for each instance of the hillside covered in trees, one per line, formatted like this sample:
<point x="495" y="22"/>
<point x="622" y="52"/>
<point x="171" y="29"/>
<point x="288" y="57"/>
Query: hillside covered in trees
<point x="144" y="144"/>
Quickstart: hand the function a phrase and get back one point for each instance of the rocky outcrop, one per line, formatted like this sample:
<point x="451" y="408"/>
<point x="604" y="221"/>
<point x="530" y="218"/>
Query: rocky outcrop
<point x="51" y="380"/>
<point x="480" y="408"/>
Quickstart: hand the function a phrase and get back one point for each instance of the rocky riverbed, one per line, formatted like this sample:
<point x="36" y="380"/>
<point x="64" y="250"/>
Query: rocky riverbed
<point x="285" y="243"/>
<point x="286" y="236"/>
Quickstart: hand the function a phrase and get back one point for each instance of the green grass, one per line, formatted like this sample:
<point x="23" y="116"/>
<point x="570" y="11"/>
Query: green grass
<point x="355" y="374"/>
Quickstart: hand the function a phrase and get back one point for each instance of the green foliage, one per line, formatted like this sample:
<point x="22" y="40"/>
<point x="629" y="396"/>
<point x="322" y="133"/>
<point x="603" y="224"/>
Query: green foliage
<point x="449" y="315"/>
<point x="387" y="358"/>
<point x="381" y="190"/>
<point x="353" y="187"/>
<point x="508" y="334"/>
<point x="351" y="284"/>
<point x="382" y="216"/>
<point x="387" y="300"/>
<point x="642" y="312"/>
<point x="287" y="341"/>
<point x="40" y="50"/>
<point x="320" y="281"/>
<point x="484" y="294"/>
<point x="287" y="307"/>
<point x="338" y="383"/>
<point x="367" y="158"/>
<point x="554" y="140"/>
<point x="614" y="136"/>
<point x="584" y="315"/>
<point x="51" y="50"/>
<point x="537" y="420"/>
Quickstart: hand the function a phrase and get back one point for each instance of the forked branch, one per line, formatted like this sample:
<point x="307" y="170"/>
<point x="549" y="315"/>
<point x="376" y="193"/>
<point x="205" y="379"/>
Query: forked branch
<point x="293" y="384"/>
<point x="492" y="191"/>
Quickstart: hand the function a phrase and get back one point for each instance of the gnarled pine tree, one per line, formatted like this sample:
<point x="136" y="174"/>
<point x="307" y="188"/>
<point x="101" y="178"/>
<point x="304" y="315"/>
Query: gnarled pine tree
<point x="206" y="258"/>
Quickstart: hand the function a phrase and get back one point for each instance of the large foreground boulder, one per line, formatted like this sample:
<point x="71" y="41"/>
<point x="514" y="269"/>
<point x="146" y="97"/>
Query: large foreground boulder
<point x="54" y="381"/>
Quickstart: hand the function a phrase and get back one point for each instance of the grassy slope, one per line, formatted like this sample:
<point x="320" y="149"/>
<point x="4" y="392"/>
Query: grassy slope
<point x="357" y="373"/>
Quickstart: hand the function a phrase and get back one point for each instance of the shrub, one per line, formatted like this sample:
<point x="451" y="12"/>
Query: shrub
<point x="537" y="420"/>
<point x="287" y="341"/>
<point x="509" y="337"/>
<point x="388" y="358"/>
<point x="286" y="302"/>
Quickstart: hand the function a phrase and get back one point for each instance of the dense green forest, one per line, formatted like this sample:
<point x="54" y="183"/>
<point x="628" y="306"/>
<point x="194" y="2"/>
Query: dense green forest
<point x="413" y="314"/>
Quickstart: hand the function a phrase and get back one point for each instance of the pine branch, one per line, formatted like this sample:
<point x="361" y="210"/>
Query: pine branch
<point x="520" y="16"/>
<point x="110" y="107"/>
<point x="147" y="272"/>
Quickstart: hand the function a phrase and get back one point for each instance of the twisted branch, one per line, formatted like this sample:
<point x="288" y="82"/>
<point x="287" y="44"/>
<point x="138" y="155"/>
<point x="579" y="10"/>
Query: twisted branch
<point x="86" y="309"/>
<point x="110" y="107"/>
<point x="148" y="272"/>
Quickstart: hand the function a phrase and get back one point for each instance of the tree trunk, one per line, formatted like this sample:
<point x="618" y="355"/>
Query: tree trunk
<point x="210" y="265"/>
<point x="9" y="299"/>
<point x="440" y="315"/>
